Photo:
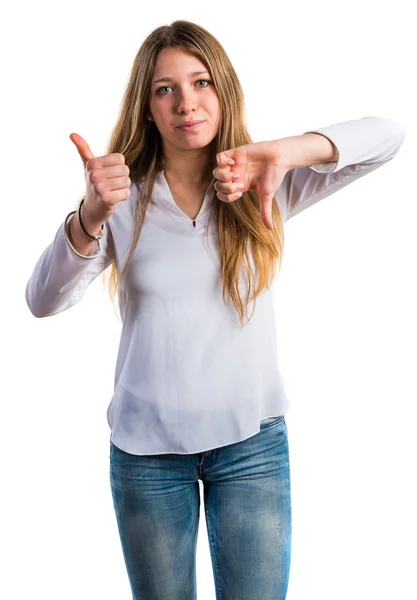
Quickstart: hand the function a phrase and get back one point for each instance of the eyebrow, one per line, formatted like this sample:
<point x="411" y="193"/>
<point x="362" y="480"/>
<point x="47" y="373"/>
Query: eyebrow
<point x="192" y="74"/>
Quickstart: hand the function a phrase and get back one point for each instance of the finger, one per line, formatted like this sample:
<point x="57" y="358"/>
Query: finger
<point x="116" y="158"/>
<point x="225" y="174"/>
<point x="83" y="148"/>
<point x="229" y="197"/>
<point x="222" y="174"/>
<point x="223" y="159"/>
<point x="229" y="187"/>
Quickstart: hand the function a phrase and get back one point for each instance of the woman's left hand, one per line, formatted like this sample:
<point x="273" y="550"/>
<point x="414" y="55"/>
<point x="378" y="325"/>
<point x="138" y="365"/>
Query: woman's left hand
<point x="259" y="168"/>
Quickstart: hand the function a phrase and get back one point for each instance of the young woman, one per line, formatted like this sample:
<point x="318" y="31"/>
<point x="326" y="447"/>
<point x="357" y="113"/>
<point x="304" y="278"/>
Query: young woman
<point x="188" y="213"/>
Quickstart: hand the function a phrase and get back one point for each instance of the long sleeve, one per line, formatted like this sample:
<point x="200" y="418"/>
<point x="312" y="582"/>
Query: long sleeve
<point x="61" y="275"/>
<point x="363" y="144"/>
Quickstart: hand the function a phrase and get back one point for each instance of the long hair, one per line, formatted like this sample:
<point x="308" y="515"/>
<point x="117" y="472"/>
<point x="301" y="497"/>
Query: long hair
<point x="241" y="232"/>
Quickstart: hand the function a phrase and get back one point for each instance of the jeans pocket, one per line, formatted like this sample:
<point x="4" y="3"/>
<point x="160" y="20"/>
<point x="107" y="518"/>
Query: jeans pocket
<point x="272" y="423"/>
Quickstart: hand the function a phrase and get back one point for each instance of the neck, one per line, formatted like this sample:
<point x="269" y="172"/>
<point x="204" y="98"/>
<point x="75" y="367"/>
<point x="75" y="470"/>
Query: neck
<point x="189" y="168"/>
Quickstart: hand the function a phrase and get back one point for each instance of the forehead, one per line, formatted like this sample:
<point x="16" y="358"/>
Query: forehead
<point x="174" y="61"/>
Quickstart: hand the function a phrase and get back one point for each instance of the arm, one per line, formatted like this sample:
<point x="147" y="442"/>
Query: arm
<point x="61" y="275"/>
<point x="362" y="145"/>
<point x="307" y="149"/>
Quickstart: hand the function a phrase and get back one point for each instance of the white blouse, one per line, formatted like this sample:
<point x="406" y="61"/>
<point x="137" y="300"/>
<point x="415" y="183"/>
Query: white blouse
<point x="188" y="378"/>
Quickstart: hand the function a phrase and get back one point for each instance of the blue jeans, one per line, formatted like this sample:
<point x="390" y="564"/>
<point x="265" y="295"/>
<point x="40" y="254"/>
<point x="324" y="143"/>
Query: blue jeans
<point x="247" y="503"/>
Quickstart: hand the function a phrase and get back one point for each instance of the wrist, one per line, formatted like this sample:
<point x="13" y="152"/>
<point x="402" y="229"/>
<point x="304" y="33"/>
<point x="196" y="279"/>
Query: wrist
<point x="89" y="226"/>
<point x="77" y="235"/>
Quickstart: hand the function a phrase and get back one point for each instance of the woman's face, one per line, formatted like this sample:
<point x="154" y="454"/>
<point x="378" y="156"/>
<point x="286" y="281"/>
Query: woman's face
<point x="185" y="96"/>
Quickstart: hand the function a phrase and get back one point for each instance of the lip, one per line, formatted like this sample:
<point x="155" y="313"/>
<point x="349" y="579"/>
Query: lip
<point x="191" y="127"/>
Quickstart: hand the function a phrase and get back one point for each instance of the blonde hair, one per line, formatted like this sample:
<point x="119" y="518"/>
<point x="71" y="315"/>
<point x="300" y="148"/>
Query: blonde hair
<point x="239" y="225"/>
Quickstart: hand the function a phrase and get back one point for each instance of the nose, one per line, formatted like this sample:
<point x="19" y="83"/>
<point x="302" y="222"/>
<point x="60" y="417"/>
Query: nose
<point x="187" y="101"/>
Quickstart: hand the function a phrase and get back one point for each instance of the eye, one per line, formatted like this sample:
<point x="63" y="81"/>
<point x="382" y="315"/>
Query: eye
<point x="158" y="92"/>
<point x="206" y="80"/>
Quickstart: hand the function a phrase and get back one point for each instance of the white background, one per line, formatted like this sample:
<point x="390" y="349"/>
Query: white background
<point x="346" y="299"/>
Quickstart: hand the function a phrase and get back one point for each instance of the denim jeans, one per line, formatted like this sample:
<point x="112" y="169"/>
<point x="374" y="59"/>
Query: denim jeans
<point x="247" y="504"/>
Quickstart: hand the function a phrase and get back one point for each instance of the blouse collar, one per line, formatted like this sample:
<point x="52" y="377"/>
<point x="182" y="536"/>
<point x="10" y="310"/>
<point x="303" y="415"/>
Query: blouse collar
<point x="162" y="197"/>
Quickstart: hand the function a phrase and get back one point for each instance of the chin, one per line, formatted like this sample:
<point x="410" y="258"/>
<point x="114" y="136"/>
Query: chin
<point x="195" y="143"/>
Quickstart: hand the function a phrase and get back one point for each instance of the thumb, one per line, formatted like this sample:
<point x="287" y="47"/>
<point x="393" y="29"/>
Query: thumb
<point x="266" y="210"/>
<point x="82" y="147"/>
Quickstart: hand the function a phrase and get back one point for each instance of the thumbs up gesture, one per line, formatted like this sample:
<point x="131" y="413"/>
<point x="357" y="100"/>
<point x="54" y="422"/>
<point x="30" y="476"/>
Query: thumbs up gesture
<point x="107" y="180"/>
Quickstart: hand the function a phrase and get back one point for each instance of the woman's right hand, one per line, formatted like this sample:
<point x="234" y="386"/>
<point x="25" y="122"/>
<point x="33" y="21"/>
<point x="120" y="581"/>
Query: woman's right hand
<point x="107" y="181"/>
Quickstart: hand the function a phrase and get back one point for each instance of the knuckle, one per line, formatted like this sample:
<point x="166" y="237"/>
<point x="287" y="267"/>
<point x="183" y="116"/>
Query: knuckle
<point x="120" y="157"/>
<point x="99" y="189"/>
<point x="93" y="176"/>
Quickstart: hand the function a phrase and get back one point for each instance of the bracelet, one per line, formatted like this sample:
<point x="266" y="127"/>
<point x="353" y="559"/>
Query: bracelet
<point x="92" y="237"/>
